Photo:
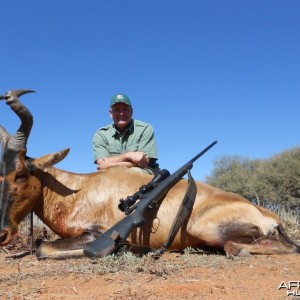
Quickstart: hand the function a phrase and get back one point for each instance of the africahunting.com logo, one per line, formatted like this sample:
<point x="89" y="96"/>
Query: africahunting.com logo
<point x="292" y="288"/>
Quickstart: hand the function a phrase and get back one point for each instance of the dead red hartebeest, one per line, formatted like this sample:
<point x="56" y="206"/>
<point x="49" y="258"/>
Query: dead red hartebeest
<point x="79" y="207"/>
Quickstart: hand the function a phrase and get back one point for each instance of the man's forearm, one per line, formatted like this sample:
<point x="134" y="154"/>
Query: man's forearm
<point x="128" y="159"/>
<point x="118" y="160"/>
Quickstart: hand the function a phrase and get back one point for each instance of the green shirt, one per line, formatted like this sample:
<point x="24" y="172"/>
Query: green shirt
<point x="139" y="136"/>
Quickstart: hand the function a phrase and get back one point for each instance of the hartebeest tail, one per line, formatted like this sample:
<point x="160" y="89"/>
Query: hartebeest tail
<point x="288" y="240"/>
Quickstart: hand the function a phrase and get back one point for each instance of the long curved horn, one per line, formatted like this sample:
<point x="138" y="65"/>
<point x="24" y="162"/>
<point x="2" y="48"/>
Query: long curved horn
<point x="4" y="135"/>
<point x="17" y="93"/>
<point x="19" y="140"/>
<point x="4" y="138"/>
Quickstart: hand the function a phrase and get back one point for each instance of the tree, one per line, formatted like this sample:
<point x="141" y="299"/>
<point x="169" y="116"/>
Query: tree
<point x="236" y="174"/>
<point x="272" y="181"/>
<point x="279" y="179"/>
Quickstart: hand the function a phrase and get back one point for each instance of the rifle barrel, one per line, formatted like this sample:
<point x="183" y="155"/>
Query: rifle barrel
<point x="203" y="151"/>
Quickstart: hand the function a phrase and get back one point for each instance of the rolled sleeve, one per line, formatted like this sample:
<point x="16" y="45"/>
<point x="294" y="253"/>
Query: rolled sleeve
<point x="100" y="146"/>
<point x="147" y="143"/>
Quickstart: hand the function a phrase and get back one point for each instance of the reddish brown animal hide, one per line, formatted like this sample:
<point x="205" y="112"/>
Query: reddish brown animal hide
<point x="79" y="207"/>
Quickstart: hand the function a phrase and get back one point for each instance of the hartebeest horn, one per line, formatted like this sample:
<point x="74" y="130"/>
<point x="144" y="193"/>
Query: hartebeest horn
<point x="19" y="140"/>
<point x="4" y="135"/>
<point x="15" y="94"/>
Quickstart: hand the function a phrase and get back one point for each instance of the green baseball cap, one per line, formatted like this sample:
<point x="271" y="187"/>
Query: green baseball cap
<point x="120" y="98"/>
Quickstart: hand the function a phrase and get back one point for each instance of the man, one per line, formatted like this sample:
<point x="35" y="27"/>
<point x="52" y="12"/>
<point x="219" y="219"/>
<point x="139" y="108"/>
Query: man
<point x="126" y="142"/>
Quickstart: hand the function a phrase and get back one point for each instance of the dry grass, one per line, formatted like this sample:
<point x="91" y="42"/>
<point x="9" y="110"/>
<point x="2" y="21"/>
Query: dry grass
<point x="28" y="278"/>
<point x="291" y="223"/>
<point x="129" y="262"/>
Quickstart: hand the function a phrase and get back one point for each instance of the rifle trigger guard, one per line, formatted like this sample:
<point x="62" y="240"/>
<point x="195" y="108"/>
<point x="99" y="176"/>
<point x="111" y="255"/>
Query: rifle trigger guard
<point x="115" y="235"/>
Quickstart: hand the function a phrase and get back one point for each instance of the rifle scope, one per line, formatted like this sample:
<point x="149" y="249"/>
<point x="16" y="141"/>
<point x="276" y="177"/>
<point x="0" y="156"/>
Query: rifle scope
<point x="125" y="205"/>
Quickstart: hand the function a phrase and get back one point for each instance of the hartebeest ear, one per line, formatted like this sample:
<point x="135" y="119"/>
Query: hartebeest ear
<point x="21" y="166"/>
<point x="22" y="157"/>
<point x="50" y="159"/>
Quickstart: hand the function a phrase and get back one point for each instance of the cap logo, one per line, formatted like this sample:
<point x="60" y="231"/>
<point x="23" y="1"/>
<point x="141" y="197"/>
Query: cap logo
<point x="120" y="98"/>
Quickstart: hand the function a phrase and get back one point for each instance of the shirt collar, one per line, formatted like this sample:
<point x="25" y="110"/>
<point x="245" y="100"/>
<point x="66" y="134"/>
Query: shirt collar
<point x="129" y="129"/>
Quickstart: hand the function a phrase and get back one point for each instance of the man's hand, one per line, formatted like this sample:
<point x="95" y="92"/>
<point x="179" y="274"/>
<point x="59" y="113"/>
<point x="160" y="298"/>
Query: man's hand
<point x="139" y="159"/>
<point x="103" y="163"/>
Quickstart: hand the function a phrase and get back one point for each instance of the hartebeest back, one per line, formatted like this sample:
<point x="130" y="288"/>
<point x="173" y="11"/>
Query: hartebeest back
<point x="80" y="207"/>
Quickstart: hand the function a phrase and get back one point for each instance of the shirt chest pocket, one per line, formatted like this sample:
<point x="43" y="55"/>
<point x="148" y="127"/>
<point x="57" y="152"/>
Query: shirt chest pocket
<point x="132" y="147"/>
<point x="114" y="150"/>
<point x="122" y="148"/>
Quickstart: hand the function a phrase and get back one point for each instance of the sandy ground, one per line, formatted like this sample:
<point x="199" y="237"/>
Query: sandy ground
<point x="173" y="276"/>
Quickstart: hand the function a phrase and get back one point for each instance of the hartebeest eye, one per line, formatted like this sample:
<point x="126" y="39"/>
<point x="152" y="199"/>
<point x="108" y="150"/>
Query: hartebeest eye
<point x="21" y="176"/>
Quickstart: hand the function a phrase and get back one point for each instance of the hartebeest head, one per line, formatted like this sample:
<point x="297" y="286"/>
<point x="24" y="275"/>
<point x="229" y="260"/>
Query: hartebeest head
<point x="21" y="188"/>
<point x="20" y="185"/>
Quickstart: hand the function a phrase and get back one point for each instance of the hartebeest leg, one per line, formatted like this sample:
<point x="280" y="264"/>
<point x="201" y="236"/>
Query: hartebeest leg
<point x="264" y="246"/>
<point x="66" y="248"/>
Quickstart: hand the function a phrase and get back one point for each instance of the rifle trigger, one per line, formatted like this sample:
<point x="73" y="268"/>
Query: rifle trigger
<point x="115" y="235"/>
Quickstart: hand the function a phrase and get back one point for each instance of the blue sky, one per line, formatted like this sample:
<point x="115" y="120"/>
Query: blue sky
<point x="197" y="70"/>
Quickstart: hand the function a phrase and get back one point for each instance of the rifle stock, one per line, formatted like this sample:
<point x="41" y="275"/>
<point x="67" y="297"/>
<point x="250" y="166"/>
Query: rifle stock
<point x="111" y="240"/>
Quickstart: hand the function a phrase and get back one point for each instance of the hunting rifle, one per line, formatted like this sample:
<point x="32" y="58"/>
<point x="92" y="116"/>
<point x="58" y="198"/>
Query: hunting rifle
<point x="112" y="240"/>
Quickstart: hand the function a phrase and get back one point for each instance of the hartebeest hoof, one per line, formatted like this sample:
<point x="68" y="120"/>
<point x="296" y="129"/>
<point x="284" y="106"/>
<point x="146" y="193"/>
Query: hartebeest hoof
<point x="265" y="246"/>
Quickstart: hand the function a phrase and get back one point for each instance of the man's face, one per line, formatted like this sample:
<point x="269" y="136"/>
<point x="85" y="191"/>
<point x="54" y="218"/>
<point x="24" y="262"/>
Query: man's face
<point x="121" y="113"/>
